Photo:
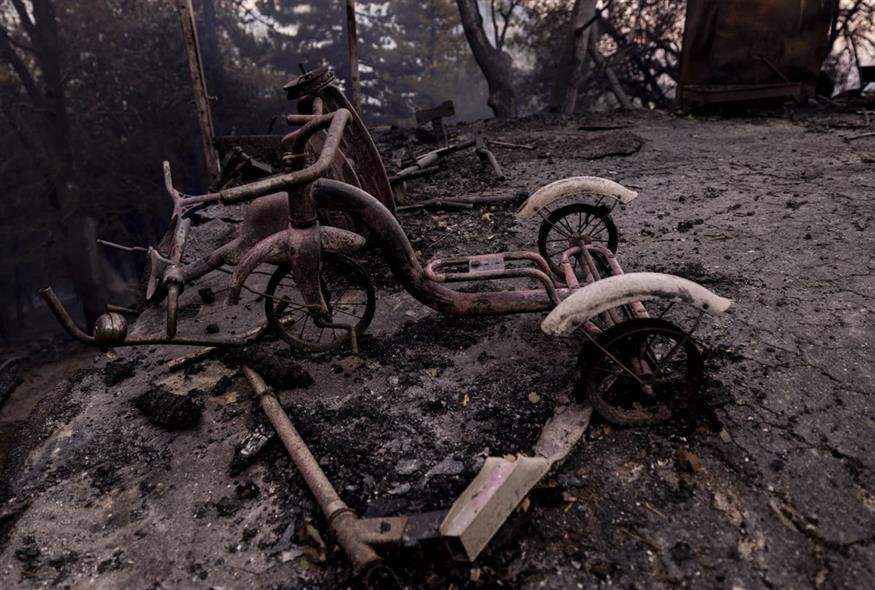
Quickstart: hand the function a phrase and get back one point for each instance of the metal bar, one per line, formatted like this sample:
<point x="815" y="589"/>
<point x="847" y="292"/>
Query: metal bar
<point x="570" y="277"/>
<point x="586" y="259"/>
<point x="487" y="155"/>
<point x="341" y="519"/>
<point x="284" y="182"/>
<point x="121" y="247"/>
<point x="510" y="273"/>
<point x="172" y="309"/>
<point x="438" y="263"/>
<point x="57" y="308"/>
<point x="637" y="307"/>
<point x="121" y="309"/>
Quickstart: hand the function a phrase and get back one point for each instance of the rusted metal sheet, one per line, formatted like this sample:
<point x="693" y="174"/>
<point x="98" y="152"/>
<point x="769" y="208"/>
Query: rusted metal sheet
<point x="358" y="146"/>
<point x="748" y="49"/>
<point x="487" y="502"/>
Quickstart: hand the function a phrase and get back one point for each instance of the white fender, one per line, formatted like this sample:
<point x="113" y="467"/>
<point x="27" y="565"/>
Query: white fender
<point x="569" y="187"/>
<point x="615" y="291"/>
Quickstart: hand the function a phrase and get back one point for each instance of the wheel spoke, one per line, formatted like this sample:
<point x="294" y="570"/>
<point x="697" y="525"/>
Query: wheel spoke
<point x="608" y="383"/>
<point x="666" y="359"/>
<point x="564" y="221"/>
<point x="358" y="317"/>
<point x="346" y="290"/>
<point x="613" y="358"/>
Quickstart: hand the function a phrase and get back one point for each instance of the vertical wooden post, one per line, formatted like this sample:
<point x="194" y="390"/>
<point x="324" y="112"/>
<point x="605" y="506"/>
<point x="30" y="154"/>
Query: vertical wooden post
<point x="199" y="86"/>
<point x="352" y="42"/>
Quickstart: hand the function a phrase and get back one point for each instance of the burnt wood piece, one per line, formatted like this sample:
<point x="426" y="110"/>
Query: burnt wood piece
<point x="436" y="116"/>
<point x="484" y="153"/>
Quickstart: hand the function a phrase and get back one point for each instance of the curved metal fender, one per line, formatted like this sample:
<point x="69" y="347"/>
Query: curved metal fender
<point x="568" y="187"/>
<point x="614" y="291"/>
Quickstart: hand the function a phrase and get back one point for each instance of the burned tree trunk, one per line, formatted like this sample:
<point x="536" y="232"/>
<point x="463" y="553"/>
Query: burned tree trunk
<point x="495" y="63"/>
<point x="610" y="75"/>
<point x="652" y="91"/>
<point x="572" y="63"/>
<point x="352" y="48"/>
<point x="48" y="99"/>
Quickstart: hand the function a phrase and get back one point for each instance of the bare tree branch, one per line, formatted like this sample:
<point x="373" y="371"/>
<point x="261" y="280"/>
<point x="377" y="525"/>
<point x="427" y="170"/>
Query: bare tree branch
<point x="494" y="22"/>
<point x="21" y="70"/>
<point x="24" y="17"/>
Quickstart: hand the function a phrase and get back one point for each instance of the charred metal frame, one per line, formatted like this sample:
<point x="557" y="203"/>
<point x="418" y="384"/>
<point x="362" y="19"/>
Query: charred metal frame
<point x="284" y="226"/>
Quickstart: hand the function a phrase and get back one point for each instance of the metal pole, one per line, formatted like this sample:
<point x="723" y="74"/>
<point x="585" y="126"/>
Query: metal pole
<point x="199" y="86"/>
<point x="352" y="41"/>
<point x="340" y="518"/>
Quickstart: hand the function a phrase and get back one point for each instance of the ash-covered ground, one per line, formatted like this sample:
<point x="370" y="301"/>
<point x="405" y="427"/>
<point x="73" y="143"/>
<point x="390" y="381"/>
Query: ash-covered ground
<point x="770" y="483"/>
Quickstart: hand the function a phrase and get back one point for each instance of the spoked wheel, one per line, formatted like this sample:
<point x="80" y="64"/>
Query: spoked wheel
<point x="641" y="371"/>
<point x="347" y="291"/>
<point x="564" y="227"/>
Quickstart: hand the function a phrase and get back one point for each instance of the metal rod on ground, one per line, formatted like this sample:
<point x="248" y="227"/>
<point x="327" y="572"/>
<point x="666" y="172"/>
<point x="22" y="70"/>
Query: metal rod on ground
<point x="458" y="203"/>
<point x="411" y="174"/>
<point x="435" y="204"/>
<point x="861" y="136"/>
<point x="484" y="153"/>
<point x="511" y="145"/>
<point x="184" y="361"/>
<point x="340" y="518"/>
<point x="352" y="41"/>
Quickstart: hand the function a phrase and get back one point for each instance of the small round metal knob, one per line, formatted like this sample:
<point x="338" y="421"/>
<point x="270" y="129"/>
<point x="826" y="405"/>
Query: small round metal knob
<point x="110" y="330"/>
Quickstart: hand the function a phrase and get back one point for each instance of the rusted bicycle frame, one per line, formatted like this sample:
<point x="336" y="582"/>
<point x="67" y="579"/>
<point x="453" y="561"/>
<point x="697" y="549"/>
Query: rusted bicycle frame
<point x="297" y="195"/>
<point x="279" y="229"/>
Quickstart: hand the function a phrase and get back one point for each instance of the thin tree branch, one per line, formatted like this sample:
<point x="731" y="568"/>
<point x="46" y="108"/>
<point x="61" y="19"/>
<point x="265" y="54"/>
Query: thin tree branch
<point x="21" y="70"/>
<point x="505" y="15"/>
<point x="15" y="42"/>
<point x="23" y="15"/>
<point x="494" y="23"/>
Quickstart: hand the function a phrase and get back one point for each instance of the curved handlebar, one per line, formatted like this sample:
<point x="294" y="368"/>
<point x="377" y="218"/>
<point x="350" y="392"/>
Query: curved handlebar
<point x="335" y="122"/>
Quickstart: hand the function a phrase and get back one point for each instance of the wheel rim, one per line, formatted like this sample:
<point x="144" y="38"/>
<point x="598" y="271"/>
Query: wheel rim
<point x="567" y="224"/>
<point x="641" y="371"/>
<point x="347" y="291"/>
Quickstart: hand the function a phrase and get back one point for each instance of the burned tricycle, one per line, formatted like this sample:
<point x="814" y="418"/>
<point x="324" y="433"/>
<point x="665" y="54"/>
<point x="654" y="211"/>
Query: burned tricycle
<point x="308" y="219"/>
<point x="579" y="279"/>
